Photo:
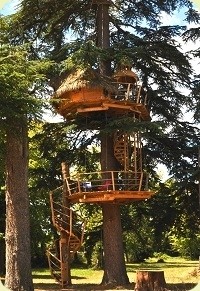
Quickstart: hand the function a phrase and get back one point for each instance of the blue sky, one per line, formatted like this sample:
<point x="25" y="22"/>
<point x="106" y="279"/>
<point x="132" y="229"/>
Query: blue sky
<point x="9" y="6"/>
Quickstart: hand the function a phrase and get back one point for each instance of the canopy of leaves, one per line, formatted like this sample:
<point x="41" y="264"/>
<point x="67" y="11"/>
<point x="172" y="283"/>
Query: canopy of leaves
<point x="65" y="31"/>
<point x="21" y="79"/>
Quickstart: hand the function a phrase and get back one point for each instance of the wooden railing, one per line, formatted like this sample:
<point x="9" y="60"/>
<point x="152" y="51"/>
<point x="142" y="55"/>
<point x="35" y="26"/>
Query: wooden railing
<point x="54" y="264"/>
<point x="66" y="221"/>
<point x="107" y="181"/>
<point x="128" y="92"/>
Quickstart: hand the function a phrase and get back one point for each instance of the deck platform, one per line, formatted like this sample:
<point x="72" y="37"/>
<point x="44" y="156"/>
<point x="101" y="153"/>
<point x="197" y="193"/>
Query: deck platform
<point x="110" y="196"/>
<point x="106" y="187"/>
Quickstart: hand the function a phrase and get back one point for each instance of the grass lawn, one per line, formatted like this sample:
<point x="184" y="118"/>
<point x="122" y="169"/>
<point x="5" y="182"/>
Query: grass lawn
<point x="179" y="275"/>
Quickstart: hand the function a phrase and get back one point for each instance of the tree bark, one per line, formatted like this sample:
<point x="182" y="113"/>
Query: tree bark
<point x="150" y="281"/>
<point x="114" y="262"/>
<point x="199" y="174"/>
<point x="18" y="251"/>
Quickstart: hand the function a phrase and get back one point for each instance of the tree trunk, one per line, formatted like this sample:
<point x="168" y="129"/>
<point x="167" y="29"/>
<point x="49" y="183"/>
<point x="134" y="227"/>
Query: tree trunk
<point x="150" y="281"/>
<point x="114" y="262"/>
<point x="2" y="256"/>
<point x="18" y="253"/>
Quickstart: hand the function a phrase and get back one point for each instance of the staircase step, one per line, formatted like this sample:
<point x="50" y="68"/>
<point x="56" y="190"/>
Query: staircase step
<point x="59" y="213"/>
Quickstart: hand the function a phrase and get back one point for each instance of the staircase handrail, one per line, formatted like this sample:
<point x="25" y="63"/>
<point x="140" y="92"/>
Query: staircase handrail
<point x="62" y="211"/>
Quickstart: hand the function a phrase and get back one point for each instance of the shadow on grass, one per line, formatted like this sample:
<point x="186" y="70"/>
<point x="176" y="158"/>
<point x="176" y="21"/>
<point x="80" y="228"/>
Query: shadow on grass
<point x="157" y="266"/>
<point x="49" y="277"/>
<point x="46" y="286"/>
<point x="83" y="287"/>
<point x="96" y="287"/>
<point x="181" y="286"/>
<point x="41" y="276"/>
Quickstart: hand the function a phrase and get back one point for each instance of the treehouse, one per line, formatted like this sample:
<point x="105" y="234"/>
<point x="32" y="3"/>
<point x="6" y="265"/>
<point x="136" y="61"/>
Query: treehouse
<point x="83" y="91"/>
<point x="126" y="185"/>
<point x="98" y="99"/>
<point x="86" y="93"/>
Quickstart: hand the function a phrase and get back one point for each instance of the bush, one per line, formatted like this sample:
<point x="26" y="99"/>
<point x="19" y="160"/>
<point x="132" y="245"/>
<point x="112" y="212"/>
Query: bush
<point x="97" y="256"/>
<point x="135" y="248"/>
<point x="186" y="246"/>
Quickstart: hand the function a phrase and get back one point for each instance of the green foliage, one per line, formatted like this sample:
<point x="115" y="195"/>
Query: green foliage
<point x="97" y="256"/>
<point x="86" y="56"/>
<point x="161" y="257"/>
<point x="69" y="38"/>
<point x="186" y="246"/>
<point x="138" y="244"/>
<point x="20" y="83"/>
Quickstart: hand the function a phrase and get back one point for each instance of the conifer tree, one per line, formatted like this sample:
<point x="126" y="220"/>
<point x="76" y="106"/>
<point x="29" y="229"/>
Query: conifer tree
<point x="20" y="81"/>
<point x="136" y="36"/>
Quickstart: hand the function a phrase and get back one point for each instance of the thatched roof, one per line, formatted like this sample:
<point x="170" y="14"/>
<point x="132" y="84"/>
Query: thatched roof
<point x="88" y="78"/>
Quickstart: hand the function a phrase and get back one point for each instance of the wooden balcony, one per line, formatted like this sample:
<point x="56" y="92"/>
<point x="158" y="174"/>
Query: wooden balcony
<point x="108" y="187"/>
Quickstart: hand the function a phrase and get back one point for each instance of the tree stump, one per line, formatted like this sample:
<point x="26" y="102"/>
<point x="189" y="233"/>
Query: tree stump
<point x="148" y="280"/>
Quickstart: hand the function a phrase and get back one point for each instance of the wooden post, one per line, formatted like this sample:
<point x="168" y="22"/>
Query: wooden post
<point x="64" y="239"/>
<point x="148" y="280"/>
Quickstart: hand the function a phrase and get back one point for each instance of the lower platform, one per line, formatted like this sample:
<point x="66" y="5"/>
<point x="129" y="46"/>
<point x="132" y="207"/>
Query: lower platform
<point x="110" y="196"/>
<point x="106" y="187"/>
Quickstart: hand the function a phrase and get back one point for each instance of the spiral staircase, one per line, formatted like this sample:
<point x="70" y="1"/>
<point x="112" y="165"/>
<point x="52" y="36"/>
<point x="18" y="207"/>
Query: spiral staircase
<point x="70" y="227"/>
<point x="128" y="151"/>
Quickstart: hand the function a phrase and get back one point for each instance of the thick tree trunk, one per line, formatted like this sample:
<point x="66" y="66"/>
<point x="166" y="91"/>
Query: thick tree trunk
<point x="150" y="281"/>
<point x="18" y="253"/>
<point x="114" y="262"/>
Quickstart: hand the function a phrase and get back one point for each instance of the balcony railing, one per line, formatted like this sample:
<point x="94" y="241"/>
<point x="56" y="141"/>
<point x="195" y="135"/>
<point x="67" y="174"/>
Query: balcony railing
<point x="107" y="181"/>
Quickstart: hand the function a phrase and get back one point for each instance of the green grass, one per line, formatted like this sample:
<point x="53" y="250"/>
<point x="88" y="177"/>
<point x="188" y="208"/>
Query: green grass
<point x="179" y="275"/>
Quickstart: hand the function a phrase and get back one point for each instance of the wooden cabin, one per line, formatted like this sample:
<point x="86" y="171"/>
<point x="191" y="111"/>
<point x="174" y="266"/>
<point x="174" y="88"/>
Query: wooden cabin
<point x="85" y="92"/>
<point x="82" y="91"/>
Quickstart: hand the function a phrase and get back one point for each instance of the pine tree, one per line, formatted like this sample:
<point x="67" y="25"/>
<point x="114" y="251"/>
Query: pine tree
<point x="136" y="36"/>
<point x="19" y="82"/>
